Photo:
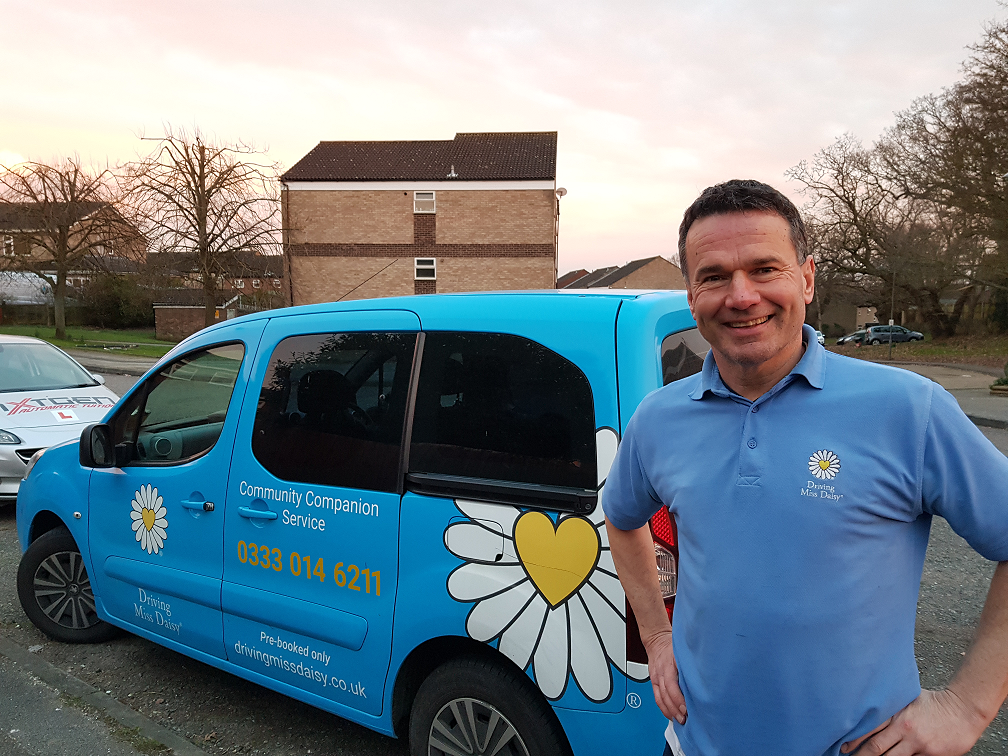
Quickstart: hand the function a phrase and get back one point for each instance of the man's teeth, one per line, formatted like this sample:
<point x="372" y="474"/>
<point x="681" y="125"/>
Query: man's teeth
<point x="750" y="323"/>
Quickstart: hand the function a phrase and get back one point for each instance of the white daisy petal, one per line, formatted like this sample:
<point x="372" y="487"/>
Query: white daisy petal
<point x="473" y="542"/>
<point x="160" y="523"/>
<point x="492" y="615"/>
<point x="588" y="660"/>
<point x="605" y="561"/>
<point x="605" y="451"/>
<point x="160" y="532"/>
<point x="136" y="507"/>
<point x="502" y="514"/>
<point x="519" y="641"/>
<point x="609" y="586"/>
<point x="139" y="533"/>
<point x="160" y="512"/>
<point x="472" y="581"/>
<point x="610" y="623"/>
<point x="552" y="654"/>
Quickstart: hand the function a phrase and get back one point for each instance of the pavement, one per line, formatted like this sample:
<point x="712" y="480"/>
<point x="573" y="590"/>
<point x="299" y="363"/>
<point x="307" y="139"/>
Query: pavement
<point x="970" y="385"/>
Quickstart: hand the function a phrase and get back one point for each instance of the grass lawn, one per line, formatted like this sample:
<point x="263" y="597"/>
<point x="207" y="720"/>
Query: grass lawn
<point x="986" y="351"/>
<point x="136" y="342"/>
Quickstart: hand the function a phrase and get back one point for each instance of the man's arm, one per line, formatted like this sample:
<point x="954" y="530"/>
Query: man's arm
<point x="948" y="722"/>
<point x="633" y="553"/>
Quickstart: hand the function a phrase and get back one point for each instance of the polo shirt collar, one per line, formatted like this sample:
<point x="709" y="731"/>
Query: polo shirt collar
<point x="812" y="367"/>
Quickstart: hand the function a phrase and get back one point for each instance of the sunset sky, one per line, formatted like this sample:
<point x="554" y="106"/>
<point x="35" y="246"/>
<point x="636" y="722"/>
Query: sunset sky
<point x="653" y="101"/>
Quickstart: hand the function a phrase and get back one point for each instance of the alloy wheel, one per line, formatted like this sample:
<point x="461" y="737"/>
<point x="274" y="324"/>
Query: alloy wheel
<point x="63" y="591"/>
<point x="470" y="727"/>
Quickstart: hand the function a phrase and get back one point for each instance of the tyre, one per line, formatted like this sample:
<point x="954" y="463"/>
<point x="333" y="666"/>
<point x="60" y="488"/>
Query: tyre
<point x="55" y="591"/>
<point x="474" y="706"/>
<point x="875" y="342"/>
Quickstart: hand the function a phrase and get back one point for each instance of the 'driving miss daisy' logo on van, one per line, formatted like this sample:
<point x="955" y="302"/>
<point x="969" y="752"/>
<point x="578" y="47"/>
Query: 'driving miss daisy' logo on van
<point x="546" y="589"/>
<point x="824" y="464"/>
<point x="149" y="522"/>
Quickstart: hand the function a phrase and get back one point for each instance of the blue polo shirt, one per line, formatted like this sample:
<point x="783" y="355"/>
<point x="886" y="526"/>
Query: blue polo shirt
<point x="803" y="521"/>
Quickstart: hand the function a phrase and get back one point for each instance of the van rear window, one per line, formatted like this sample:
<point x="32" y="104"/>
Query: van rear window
<point x="502" y="407"/>
<point x="682" y="355"/>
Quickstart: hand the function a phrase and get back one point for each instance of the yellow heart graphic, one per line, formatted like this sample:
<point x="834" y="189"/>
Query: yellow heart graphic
<point x="824" y="464"/>
<point x="148" y="518"/>
<point x="558" y="560"/>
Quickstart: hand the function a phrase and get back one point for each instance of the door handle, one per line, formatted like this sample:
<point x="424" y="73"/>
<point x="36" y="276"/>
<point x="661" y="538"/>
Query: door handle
<point x="257" y="514"/>
<point x="201" y="506"/>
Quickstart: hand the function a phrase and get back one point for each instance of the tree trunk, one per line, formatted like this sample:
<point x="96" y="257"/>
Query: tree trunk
<point x="59" y="302"/>
<point x="209" y="302"/>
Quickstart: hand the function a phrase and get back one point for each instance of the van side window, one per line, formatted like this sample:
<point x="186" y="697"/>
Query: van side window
<point x="502" y="407"/>
<point x="179" y="413"/>
<point x="682" y="355"/>
<point x="332" y="407"/>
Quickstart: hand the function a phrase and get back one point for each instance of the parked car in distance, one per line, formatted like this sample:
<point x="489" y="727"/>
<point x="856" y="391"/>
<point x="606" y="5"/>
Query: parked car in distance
<point x="851" y="338"/>
<point x="388" y="509"/>
<point x="46" y="398"/>
<point x="881" y="334"/>
<point x="820" y="338"/>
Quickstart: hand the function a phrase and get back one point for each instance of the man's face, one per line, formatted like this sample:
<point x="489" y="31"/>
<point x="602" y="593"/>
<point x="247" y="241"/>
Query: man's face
<point x="747" y="291"/>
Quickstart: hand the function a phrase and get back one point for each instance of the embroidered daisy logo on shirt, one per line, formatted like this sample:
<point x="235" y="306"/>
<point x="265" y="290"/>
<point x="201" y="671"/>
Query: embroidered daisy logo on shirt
<point x="824" y="464"/>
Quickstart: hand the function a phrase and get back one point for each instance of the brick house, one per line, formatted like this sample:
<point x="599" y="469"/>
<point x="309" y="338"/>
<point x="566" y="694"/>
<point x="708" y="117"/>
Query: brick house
<point x="647" y="273"/>
<point x="369" y="219"/>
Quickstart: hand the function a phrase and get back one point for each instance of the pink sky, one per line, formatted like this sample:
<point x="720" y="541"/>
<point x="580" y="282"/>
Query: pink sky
<point x="652" y="101"/>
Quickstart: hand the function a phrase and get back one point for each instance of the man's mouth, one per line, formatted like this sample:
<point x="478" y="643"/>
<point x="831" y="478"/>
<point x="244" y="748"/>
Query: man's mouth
<point x="749" y="323"/>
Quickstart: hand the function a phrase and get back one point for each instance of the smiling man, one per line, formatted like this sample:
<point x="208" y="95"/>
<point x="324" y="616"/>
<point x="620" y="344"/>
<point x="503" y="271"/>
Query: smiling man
<point x="803" y="485"/>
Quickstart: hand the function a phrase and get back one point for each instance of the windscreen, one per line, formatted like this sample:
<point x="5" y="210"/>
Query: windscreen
<point x="39" y="367"/>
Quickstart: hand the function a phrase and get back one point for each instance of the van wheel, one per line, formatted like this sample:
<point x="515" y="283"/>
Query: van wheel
<point x="875" y="342"/>
<point x="55" y="591"/>
<point x="473" y="706"/>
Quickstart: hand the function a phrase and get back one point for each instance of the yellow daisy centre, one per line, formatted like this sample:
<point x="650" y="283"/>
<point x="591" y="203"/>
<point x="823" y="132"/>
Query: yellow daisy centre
<point x="148" y="518"/>
<point x="824" y="464"/>
<point x="558" y="559"/>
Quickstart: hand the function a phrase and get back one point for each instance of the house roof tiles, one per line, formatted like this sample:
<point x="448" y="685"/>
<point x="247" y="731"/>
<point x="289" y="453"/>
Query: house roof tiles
<point x="509" y="156"/>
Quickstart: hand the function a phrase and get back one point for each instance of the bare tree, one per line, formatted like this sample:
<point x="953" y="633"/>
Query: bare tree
<point x="882" y="240"/>
<point x="952" y="149"/>
<point x="205" y="204"/>
<point x="63" y="217"/>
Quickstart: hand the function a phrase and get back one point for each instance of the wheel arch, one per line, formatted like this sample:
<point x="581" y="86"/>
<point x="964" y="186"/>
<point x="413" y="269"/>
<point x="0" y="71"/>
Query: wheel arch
<point x="430" y="655"/>
<point x="44" y="521"/>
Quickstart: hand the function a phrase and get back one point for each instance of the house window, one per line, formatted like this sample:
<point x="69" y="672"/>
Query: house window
<point x="276" y="283"/>
<point x="8" y="245"/>
<point x="239" y="283"/>
<point x="255" y="283"/>
<point x="424" y="269"/>
<point x="423" y="202"/>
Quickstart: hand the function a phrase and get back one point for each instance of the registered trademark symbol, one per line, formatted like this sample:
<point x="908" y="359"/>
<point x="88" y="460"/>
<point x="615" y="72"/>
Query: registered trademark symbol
<point x="633" y="700"/>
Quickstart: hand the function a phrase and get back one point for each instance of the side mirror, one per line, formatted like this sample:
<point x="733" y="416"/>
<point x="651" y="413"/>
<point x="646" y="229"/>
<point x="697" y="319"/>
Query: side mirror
<point x="96" y="448"/>
<point x="99" y="378"/>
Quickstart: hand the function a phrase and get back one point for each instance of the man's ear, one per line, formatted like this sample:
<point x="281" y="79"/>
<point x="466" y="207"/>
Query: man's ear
<point x="689" y="301"/>
<point x="808" y="275"/>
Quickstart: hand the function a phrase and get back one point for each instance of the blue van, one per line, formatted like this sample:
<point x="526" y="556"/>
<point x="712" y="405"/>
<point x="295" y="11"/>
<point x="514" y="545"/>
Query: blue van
<point x="388" y="509"/>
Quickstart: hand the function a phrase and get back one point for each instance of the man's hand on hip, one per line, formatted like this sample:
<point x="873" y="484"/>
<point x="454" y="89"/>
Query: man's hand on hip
<point x="665" y="677"/>
<point x="937" y="723"/>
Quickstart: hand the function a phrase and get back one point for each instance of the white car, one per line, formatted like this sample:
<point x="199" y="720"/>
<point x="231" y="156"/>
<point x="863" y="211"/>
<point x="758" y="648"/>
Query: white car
<point x="46" y="398"/>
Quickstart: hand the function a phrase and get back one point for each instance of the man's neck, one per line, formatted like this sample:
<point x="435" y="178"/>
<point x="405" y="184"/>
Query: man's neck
<point x="752" y="381"/>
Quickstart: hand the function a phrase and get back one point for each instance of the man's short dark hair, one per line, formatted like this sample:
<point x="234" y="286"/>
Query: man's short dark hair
<point x="740" y="196"/>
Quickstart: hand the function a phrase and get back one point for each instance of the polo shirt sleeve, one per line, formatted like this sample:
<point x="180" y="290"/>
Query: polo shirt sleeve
<point x="628" y="498"/>
<point x="964" y="478"/>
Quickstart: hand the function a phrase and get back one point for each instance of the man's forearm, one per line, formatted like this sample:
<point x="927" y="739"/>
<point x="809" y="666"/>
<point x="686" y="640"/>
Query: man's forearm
<point x="633" y="553"/>
<point x="982" y="680"/>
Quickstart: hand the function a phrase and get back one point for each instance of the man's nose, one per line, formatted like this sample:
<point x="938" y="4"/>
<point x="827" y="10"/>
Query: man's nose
<point x="741" y="292"/>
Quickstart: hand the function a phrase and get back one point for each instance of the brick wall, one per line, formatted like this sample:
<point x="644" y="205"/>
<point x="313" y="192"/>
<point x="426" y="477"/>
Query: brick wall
<point x="175" y="323"/>
<point x="328" y="279"/>
<point x="490" y="217"/>
<point x="657" y="274"/>
<point x="363" y="217"/>
<point x="495" y="274"/>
